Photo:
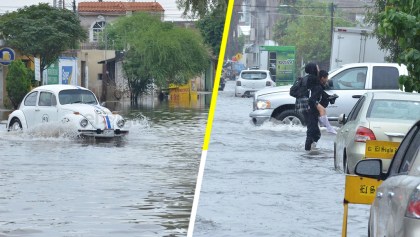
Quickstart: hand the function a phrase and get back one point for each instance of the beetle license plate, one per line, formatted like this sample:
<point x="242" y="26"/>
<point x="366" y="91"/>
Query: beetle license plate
<point x="108" y="132"/>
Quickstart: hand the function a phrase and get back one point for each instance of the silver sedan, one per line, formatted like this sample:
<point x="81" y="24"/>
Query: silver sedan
<point x="382" y="116"/>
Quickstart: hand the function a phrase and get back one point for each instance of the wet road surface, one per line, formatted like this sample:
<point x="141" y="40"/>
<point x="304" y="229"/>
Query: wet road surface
<point x="258" y="181"/>
<point x="53" y="184"/>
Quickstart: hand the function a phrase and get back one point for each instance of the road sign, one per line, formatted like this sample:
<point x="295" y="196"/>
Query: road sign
<point x="381" y="149"/>
<point x="361" y="190"/>
<point x="37" y="63"/>
<point x="7" y="55"/>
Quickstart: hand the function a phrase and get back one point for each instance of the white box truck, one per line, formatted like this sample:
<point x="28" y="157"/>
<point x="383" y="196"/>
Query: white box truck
<point x="355" y="45"/>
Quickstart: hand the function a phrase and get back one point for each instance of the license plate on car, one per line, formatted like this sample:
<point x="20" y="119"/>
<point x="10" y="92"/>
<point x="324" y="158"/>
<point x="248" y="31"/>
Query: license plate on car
<point x="108" y="132"/>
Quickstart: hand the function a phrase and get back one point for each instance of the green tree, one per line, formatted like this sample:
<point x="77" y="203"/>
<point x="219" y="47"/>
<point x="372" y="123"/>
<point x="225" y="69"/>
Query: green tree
<point x="385" y="42"/>
<point x="211" y="28"/>
<point x="158" y="51"/>
<point x="18" y="82"/>
<point x="398" y="29"/>
<point x="42" y="31"/>
<point x="307" y="25"/>
<point x="201" y="8"/>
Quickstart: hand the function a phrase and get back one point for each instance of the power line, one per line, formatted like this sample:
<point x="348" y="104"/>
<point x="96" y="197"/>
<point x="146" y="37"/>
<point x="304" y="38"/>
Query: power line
<point x="298" y="7"/>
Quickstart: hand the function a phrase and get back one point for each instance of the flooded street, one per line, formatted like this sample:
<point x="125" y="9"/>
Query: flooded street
<point x="54" y="184"/>
<point x="258" y="181"/>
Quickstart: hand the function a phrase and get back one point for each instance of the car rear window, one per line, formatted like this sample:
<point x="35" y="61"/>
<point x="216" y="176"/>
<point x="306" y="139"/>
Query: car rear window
<point x="394" y="109"/>
<point x="254" y="75"/>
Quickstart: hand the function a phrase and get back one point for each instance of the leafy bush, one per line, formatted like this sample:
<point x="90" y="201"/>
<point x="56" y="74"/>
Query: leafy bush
<point x="18" y="82"/>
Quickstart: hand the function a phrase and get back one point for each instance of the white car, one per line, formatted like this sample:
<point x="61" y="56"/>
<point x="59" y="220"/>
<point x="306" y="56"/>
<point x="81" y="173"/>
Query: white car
<point x="277" y="105"/>
<point x="252" y="80"/>
<point x="72" y="105"/>
<point x="382" y="116"/>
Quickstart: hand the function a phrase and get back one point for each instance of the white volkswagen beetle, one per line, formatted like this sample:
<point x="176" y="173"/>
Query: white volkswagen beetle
<point x="67" y="104"/>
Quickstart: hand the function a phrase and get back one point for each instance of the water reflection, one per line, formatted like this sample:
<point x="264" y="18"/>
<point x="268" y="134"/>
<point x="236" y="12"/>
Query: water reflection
<point x="139" y="185"/>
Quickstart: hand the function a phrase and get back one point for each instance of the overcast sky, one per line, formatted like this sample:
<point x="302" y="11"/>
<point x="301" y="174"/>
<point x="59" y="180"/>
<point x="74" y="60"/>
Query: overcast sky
<point x="171" y="11"/>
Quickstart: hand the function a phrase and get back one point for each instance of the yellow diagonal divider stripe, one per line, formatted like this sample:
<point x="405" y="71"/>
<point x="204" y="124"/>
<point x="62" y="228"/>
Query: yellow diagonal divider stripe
<point x="210" y="119"/>
<point x="381" y="149"/>
<point x="361" y="190"/>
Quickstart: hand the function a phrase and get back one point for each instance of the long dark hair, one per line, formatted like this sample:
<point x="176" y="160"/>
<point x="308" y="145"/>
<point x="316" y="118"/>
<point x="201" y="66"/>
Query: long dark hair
<point x="311" y="69"/>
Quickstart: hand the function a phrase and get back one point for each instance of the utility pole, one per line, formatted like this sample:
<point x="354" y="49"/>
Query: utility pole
<point x="74" y="6"/>
<point x="332" y="22"/>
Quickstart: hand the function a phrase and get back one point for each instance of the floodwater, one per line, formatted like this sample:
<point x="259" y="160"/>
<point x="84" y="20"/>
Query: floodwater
<point x="258" y="181"/>
<point x="53" y="184"/>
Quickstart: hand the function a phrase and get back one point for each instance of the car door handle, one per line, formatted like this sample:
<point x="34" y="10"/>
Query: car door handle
<point x="379" y="195"/>
<point x="394" y="134"/>
<point x="37" y="110"/>
<point x="391" y="194"/>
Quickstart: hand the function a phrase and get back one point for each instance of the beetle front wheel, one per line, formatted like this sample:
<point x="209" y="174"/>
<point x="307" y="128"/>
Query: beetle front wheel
<point x="15" y="125"/>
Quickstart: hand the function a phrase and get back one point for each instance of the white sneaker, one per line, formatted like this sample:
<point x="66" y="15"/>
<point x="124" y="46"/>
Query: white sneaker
<point x="331" y="130"/>
<point x="313" y="146"/>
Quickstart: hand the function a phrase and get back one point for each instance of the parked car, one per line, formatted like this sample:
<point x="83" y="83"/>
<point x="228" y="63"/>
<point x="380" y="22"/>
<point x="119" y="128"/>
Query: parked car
<point x="66" y="104"/>
<point x="277" y="105"/>
<point x="382" y="116"/>
<point x="395" y="210"/>
<point x="252" y="80"/>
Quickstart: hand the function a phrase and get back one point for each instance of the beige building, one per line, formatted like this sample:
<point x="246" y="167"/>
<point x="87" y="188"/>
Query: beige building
<point x="93" y="59"/>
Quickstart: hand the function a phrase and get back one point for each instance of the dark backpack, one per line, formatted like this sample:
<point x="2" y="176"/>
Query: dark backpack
<point x="299" y="89"/>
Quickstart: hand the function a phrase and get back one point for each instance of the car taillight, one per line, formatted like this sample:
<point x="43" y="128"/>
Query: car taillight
<point x="267" y="83"/>
<point x="413" y="206"/>
<point x="363" y="134"/>
<point x="238" y="83"/>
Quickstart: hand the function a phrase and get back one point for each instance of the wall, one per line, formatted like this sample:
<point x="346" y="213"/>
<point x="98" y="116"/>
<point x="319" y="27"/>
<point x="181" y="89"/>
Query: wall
<point x="92" y="57"/>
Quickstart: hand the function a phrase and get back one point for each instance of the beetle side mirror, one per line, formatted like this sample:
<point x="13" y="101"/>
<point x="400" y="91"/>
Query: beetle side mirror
<point x="103" y="104"/>
<point x="342" y="119"/>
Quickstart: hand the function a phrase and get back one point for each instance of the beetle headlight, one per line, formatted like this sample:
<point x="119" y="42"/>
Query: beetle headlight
<point x="121" y="123"/>
<point x="83" y="123"/>
<point x="263" y="104"/>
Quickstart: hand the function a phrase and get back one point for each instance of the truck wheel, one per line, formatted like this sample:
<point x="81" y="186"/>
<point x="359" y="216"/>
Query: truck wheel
<point x="289" y="117"/>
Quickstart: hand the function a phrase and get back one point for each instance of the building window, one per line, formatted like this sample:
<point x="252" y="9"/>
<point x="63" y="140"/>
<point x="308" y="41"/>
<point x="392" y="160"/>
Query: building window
<point x="100" y="76"/>
<point x="97" y="30"/>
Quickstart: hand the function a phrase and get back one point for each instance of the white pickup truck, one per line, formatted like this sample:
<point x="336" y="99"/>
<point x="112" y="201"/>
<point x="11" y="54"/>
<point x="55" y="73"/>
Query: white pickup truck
<point x="277" y="105"/>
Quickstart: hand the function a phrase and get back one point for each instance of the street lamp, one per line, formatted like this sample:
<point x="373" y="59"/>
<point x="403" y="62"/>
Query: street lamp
<point x="257" y="39"/>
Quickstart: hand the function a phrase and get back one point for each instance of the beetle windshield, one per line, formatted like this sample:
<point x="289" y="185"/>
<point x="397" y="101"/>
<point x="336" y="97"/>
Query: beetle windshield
<point x="74" y="96"/>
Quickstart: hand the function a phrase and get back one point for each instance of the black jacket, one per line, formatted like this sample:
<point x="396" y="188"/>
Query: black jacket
<point x="316" y="93"/>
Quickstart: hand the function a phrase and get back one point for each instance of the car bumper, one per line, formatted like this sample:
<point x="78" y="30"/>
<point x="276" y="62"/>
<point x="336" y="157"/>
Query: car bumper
<point x="243" y="91"/>
<point x="99" y="133"/>
<point x="259" y="116"/>
<point x="357" y="153"/>
<point x="411" y="227"/>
